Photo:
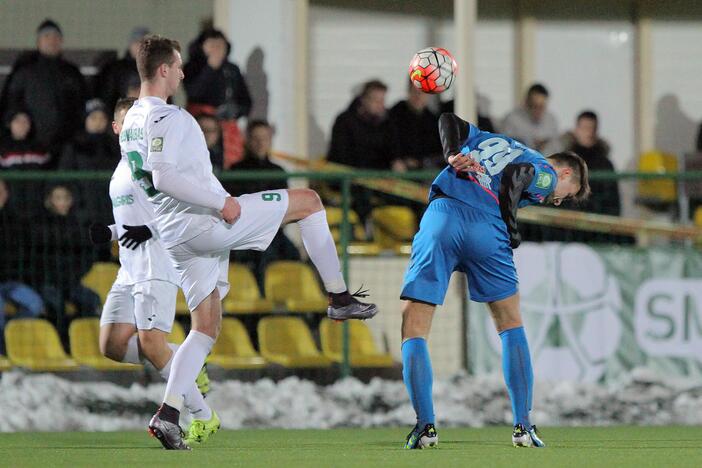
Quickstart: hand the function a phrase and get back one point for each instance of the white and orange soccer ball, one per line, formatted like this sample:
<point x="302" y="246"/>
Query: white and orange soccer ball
<point x="432" y="70"/>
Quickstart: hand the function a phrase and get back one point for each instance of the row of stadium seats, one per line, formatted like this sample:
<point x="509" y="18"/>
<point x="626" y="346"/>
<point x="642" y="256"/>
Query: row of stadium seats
<point x="393" y="228"/>
<point x="290" y="286"/>
<point x="34" y="344"/>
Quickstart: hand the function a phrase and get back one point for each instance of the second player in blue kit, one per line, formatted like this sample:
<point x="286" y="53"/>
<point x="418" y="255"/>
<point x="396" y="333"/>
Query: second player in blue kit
<point x="470" y="226"/>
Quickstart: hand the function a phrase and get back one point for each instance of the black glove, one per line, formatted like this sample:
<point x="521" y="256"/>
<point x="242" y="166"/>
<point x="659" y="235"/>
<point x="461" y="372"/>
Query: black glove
<point x="134" y="236"/>
<point x="515" y="239"/>
<point x="99" y="233"/>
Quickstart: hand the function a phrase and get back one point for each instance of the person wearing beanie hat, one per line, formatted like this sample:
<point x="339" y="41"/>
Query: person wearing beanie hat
<point x="119" y="78"/>
<point x="49" y="87"/>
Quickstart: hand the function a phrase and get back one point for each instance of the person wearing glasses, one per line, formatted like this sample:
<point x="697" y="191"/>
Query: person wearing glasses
<point x="532" y="124"/>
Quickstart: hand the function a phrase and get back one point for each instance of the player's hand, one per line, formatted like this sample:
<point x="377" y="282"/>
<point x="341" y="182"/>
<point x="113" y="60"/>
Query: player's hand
<point x="134" y="236"/>
<point x="465" y="163"/>
<point x="231" y="210"/>
<point x="515" y="239"/>
<point x="99" y="233"/>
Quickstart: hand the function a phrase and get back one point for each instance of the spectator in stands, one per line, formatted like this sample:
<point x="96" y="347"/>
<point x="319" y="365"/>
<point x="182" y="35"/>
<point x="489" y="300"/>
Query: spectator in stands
<point x="95" y="147"/>
<point x="18" y="146"/>
<point x="50" y="88"/>
<point x="259" y="144"/>
<point x="362" y="135"/>
<point x="13" y="238"/>
<point x="62" y="254"/>
<point x="216" y="86"/>
<point x="698" y="147"/>
<point x="257" y="153"/>
<point x="585" y="141"/>
<point x="211" y="128"/>
<point x="417" y="128"/>
<point x="119" y="78"/>
<point x="532" y="124"/>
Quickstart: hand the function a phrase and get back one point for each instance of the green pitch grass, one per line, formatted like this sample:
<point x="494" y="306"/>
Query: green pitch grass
<point x="489" y="447"/>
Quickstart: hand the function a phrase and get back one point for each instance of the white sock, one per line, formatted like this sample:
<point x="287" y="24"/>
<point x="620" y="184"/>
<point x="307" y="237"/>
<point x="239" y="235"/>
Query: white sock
<point x="132" y="354"/>
<point x="193" y="401"/>
<point x="187" y="362"/>
<point x="319" y="244"/>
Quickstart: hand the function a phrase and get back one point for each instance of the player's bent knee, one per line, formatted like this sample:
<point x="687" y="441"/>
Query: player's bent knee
<point x="416" y="319"/>
<point x="111" y="348"/>
<point x="303" y="202"/>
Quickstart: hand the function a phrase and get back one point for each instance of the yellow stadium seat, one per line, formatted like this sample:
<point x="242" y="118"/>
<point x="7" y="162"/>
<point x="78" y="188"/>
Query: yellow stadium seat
<point x="85" y="349"/>
<point x="287" y="341"/>
<point x="35" y="344"/>
<point x="100" y="278"/>
<point x="233" y="349"/>
<point x="698" y="216"/>
<point x="177" y="335"/>
<point x="362" y="348"/>
<point x="657" y="190"/>
<point x="5" y="364"/>
<point x="393" y="225"/>
<point x="335" y="218"/>
<point x="294" y="285"/>
<point x="244" y="296"/>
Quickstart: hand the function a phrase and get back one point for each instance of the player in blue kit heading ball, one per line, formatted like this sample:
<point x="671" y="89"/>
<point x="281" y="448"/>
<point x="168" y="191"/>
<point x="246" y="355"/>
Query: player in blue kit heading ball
<point x="470" y="226"/>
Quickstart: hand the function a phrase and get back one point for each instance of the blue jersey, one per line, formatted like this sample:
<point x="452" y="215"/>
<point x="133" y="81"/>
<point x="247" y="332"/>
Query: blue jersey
<point x="494" y="152"/>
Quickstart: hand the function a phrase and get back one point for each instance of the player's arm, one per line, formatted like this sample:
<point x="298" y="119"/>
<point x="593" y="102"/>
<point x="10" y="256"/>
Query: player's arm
<point x="454" y="132"/>
<point x="516" y="178"/>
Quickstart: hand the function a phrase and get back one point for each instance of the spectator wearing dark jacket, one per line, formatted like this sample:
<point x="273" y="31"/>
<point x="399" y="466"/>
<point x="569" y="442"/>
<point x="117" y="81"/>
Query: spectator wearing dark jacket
<point x="416" y="130"/>
<point x="61" y="255"/>
<point x="212" y="129"/>
<point x="362" y="135"/>
<point x="584" y="141"/>
<point x="95" y="148"/>
<point x="257" y="153"/>
<point x="216" y="86"/>
<point x="19" y="149"/>
<point x="120" y="78"/>
<point x="50" y="88"/>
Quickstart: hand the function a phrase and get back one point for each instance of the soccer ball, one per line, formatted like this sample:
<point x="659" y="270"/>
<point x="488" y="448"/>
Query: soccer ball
<point x="432" y="70"/>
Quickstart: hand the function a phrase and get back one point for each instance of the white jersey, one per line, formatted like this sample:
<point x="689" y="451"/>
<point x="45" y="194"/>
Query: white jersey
<point x="131" y="207"/>
<point x="153" y="133"/>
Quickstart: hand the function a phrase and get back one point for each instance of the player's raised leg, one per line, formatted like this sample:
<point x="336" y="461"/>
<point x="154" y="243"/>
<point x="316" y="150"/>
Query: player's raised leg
<point x="516" y="367"/>
<point x="417" y="372"/>
<point x="307" y="209"/>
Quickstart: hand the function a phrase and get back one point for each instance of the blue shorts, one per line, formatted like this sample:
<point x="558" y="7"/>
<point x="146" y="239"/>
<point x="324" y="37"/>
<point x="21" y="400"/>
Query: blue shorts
<point x="456" y="237"/>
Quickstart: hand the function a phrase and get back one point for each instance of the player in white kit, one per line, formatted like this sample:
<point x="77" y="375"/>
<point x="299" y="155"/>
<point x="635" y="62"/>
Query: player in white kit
<point x="143" y="297"/>
<point x="199" y="222"/>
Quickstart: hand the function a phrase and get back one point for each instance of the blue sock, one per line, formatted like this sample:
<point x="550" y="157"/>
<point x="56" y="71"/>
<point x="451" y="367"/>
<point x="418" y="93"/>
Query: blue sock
<point x="519" y="377"/>
<point x="417" y="374"/>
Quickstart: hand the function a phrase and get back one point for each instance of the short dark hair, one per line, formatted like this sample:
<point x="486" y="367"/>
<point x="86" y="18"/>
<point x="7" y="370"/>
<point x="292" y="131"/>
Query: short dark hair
<point x="124" y="103"/>
<point x="372" y="85"/>
<point x="587" y="114"/>
<point x="537" y="88"/>
<point x="154" y="51"/>
<point x="254" y="124"/>
<point x="580" y="172"/>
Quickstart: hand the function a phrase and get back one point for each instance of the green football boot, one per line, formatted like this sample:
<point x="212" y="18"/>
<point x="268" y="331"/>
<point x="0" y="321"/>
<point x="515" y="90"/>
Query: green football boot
<point x="200" y="431"/>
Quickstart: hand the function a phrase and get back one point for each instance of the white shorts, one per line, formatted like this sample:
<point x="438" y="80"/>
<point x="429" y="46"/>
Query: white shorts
<point x="147" y="305"/>
<point x="203" y="261"/>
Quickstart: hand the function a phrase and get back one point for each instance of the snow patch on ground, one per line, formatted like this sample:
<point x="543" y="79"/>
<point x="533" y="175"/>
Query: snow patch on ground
<point x="46" y="402"/>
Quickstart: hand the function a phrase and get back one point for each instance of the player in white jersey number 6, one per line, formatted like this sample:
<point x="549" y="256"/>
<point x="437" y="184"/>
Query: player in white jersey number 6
<point x="143" y="297"/>
<point x="199" y="222"/>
